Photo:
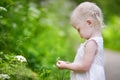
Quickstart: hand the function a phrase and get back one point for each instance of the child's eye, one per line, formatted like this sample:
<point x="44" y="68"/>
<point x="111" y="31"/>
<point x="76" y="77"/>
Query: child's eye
<point x="78" y="30"/>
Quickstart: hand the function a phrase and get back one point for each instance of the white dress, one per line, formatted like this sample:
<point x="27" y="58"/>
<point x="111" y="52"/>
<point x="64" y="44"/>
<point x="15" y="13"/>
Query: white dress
<point x="96" y="71"/>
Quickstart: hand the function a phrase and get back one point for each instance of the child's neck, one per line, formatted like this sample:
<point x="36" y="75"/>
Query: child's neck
<point x="96" y="34"/>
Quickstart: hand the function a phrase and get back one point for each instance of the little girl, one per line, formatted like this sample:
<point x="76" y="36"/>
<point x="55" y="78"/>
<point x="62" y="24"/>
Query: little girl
<point x="88" y="63"/>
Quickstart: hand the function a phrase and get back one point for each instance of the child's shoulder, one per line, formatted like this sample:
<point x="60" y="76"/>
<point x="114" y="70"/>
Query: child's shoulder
<point x="95" y="40"/>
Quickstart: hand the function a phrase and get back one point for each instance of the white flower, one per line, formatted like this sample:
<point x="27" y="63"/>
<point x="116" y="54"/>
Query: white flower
<point x="4" y="76"/>
<point x="21" y="58"/>
<point x="3" y="9"/>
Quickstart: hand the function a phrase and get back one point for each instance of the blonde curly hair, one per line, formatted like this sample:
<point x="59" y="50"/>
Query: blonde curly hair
<point x="87" y="10"/>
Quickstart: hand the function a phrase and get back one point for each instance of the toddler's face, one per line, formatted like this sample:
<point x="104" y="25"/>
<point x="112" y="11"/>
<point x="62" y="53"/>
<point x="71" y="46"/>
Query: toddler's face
<point x="84" y="30"/>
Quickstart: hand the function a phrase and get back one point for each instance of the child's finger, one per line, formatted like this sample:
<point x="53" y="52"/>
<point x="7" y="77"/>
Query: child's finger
<point x="59" y="62"/>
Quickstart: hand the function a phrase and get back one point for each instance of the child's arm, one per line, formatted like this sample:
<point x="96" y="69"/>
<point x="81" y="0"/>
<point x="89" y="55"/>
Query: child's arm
<point x="90" y="52"/>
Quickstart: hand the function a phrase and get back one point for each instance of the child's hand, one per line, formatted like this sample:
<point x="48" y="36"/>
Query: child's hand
<point x="61" y="64"/>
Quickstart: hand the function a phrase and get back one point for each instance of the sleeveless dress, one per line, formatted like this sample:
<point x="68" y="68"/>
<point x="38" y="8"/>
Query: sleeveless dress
<point x="96" y="71"/>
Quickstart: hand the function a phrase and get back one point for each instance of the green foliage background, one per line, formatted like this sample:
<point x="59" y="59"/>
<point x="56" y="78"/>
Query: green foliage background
<point x="40" y="31"/>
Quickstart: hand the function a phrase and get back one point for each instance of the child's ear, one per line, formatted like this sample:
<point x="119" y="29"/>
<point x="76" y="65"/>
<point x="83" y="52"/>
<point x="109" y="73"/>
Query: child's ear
<point x="89" y="22"/>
